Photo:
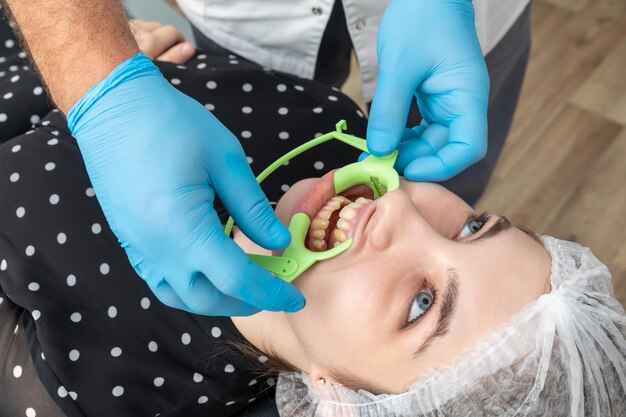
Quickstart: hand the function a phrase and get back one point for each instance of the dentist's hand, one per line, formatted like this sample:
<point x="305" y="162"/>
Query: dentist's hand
<point x="157" y="159"/>
<point x="429" y="48"/>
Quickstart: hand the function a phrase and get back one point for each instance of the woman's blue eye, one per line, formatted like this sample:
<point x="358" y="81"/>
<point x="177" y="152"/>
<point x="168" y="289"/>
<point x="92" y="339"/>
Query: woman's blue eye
<point x="473" y="226"/>
<point x="420" y="305"/>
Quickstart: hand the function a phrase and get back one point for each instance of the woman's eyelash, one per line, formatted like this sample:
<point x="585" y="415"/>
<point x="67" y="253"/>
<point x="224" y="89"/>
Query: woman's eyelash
<point x="435" y="294"/>
<point x="482" y="219"/>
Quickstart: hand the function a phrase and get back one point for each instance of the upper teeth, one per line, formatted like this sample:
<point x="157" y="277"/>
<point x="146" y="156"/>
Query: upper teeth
<point x="347" y="213"/>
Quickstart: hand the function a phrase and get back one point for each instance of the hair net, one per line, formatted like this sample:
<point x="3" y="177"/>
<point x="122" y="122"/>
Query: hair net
<point x="562" y="355"/>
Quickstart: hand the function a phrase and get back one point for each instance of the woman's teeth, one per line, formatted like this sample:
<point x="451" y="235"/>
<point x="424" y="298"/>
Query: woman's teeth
<point x="334" y="222"/>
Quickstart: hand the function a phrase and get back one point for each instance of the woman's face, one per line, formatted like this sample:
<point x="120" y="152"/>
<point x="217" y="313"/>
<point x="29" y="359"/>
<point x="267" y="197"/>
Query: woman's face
<point x="424" y="280"/>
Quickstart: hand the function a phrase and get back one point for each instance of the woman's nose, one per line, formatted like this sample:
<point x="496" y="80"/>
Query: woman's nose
<point x="397" y="219"/>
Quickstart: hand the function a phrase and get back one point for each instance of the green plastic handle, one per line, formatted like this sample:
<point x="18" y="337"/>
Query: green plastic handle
<point x="376" y="172"/>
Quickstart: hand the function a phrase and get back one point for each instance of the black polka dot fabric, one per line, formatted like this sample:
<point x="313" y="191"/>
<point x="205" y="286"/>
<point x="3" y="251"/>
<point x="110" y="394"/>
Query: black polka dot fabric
<point x="80" y="333"/>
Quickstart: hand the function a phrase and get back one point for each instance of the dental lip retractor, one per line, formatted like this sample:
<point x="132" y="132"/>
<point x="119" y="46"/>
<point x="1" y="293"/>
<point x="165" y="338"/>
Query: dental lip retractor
<point x="375" y="172"/>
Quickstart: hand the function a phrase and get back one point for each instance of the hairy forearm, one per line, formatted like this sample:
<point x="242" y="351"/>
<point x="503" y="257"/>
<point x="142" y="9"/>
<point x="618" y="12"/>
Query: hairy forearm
<point x="74" y="43"/>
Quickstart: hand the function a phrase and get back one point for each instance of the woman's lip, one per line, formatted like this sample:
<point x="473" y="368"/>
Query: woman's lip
<point x="363" y="220"/>
<point x="322" y="191"/>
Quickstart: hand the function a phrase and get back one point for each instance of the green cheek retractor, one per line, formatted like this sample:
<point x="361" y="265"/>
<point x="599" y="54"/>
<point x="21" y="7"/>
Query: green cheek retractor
<point x="376" y="172"/>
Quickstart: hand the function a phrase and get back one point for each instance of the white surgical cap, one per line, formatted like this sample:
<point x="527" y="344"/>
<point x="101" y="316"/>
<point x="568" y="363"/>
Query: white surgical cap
<point x="562" y="355"/>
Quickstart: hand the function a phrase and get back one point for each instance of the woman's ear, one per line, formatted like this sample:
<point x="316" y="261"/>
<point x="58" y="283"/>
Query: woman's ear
<point x="318" y="376"/>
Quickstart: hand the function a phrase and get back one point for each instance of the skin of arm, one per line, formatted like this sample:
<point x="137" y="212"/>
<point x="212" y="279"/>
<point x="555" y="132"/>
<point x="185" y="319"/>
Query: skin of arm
<point x="74" y="44"/>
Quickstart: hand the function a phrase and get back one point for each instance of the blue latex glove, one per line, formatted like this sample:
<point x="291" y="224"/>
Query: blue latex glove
<point x="430" y="48"/>
<point x="156" y="159"/>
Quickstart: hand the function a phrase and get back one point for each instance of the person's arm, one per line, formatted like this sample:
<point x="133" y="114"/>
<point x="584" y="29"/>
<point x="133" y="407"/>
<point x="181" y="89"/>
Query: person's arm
<point x="156" y="159"/>
<point x="73" y="43"/>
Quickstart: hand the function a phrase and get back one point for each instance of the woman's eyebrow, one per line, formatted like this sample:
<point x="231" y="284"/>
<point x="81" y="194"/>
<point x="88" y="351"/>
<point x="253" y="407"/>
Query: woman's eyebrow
<point x="445" y="313"/>
<point x="500" y="225"/>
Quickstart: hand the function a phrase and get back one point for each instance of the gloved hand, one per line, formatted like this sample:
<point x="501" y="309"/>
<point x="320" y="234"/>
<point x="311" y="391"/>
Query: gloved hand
<point x="156" y="159"/>
<point x="430" y="48"/>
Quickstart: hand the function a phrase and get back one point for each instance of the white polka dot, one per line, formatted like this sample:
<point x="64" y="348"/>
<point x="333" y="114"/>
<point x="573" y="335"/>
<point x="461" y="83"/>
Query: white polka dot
<point x="246" y="134"/>
<point x="55" y="132"/>
<point x="3" y="117"/>
<point x="116" y="352"/>
<point x="318" y="110"/>
<point x="298" y="87"/>
<point x="62" y="392"/>
<point x="13" y="68"/>
<point x="49" y="166"/>
<point x="211" y="85"/>
<point x="197" y="377"/>
<point x="249" y="159"/>
<point x="54" y="199"/>
<point x="181" y="67"/>
<point x="145" y="303"/>
<point x="283" y="135"/>
<point x="22" y="54"/>
<point x="319" y="165"/>
<point x="152" y="346"/>
<point x="209" y="107"/>
<point x="201" y="65"/>
<point x="10" y="43"/>
<point x="175" y="81"/>
<point x="233" y="61"/>
<point x="203" y="399"/>
<point x="89" y="192"/>
<point x="230" y="403"/>
<point x="7" y="96"/>
<point x="30" y="412"/>
<point x="247" y="87"/>
<point x="15" y="78"/>
<point x="14" y="177"/>
<point x="231" y="56"/>
<point x="96" y="228"/>
<point x="3" y="265"/>
<point x="34" y="119"/>
<point x="281" y="88"/>
<point x="36" y="314"/>
<point x="61" y="238"/>
<point x="73" y="395"/>
<point x="271" y="382"/>
<point x="216" y="332"/>
<point x="285" y="163"/>
<point x="71" y="280"/>
<point x="185" y="338"/>
<point x="118" y="391"/>
<point x="229" y="369"/>
<point x="46" y="123"/>
<point x="33" y="286"/>
<point x="158" y="381"/>
<point x="37" y="91"/>
<point x="53" y="141"/>
<point x="253" y="382"/>
<point x="104" y="268"/>
<point x="76" y="317"/>
<point x="283" y="111"/>
<point x="20" y="212"/>
<point x="246" y="109"/>
<point x="201" y="56"/>
<point x="263" y="358"/>
<point x="74" y="355"/>
<point x="284" y="188"/>
<point x="112" y="312"/>
<point x="16" y="148"/>
<point x="332" y="98"/>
